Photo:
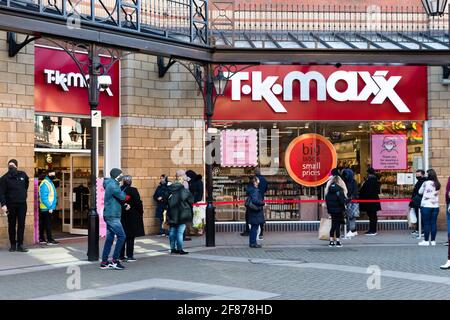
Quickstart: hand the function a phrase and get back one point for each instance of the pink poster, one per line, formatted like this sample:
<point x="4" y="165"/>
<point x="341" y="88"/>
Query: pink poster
<point x="239" y="148"/>
<point x="389" y="152"/>
<point x="100" y="206"/>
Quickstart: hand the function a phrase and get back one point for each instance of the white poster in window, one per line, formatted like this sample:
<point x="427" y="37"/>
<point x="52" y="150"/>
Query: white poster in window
<point x="409" y="178"/>
<point x="401" y="179"/>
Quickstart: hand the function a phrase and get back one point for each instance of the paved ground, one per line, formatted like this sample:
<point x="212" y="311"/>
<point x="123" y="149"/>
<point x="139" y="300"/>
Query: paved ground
<point x="289" y="266"/>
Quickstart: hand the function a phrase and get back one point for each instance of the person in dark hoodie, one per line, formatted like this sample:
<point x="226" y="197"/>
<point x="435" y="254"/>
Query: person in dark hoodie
<point x="370" y="190"/>
<point x="179" y="211"/>
<point x="255" y="211"/>
<point x="158" y="196"/>
<point x="112" y="215"/>
<point x="13" y="197"/>
<point x="352" y="207"/>
<point x="416" y="198"/>
<point x="132" y="219"/>
<point x="335" y="199"/>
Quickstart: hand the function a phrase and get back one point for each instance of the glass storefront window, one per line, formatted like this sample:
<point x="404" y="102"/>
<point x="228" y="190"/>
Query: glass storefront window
<point x="52" y="132"/>
<point x="352" y="141"/>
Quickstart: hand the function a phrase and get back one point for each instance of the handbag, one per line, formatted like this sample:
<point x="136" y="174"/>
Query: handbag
<point x="250" y="205"/>
<point x="324" y="229"/>
<point x="417" y="200"/>
<point x="353" y="210"/>
<point x="412" y="217"/>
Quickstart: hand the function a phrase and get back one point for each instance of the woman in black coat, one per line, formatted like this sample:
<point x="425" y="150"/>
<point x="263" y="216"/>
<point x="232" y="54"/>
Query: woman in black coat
<point x="370" y="190"/>
<point x="256" y="212"/>
<point x="158" y="196"/>
<point x="132" y="218"/>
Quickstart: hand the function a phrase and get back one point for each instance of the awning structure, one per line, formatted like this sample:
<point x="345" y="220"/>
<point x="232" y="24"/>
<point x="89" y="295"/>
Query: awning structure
<point x="231" y="31"/>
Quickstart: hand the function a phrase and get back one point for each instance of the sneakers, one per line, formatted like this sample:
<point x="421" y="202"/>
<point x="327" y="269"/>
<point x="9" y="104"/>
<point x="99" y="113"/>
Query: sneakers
<point x="368" y="233"/>
<point x="21" y="249"/>
<point x="338" y="244"/>
<point x="255" y="246"/>
<point x="351" y="234"/>
<point x="43" y="242"/>
<point x="117" y="265"/>
<point x="174" y="251"/>
<point x="331" y="244"/>
<point x="433" y="243"/>
<point x="132" y="259"/>
<point x="446" y="244"/>
<point x="105" y="265"/>
<point x="261" y="238"/>
<point x="446" y="266"/>
<point x="52" y="243"/>
<point x="12" y="249"/>
<point x="424" y="243"/>
<point x="182" y="252"/>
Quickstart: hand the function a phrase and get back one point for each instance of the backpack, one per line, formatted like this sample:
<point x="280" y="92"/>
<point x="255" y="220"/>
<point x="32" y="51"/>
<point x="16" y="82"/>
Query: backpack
<point x="334" y="197"/>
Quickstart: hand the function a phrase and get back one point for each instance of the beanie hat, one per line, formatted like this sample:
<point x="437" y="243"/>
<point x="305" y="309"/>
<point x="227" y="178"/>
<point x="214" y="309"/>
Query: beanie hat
<point x="115" y="172"/>
<point x="335" y="172"/>
<point x="127" y="179"/>
<point x="13" y="161"/>
<point x="370" y="170"/>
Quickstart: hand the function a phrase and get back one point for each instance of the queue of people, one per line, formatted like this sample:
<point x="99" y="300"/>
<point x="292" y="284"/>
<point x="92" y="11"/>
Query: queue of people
<point x="123" y="210"/>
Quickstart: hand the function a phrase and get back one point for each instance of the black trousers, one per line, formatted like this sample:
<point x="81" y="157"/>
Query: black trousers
<point x="373" y="220"/>
<point x="45" y="224"/>
<point x="129" y="246"/>
<point x="16" y="217"/>
<point x="336" y="222"/>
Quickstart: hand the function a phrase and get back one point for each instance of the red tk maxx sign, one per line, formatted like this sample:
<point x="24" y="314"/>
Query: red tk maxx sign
<point x="325" y="93"/>
<point x="59" y="86"/>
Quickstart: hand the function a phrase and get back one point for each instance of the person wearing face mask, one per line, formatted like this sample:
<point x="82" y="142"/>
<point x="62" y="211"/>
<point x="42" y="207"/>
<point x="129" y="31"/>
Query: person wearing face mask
<point x="132" y="219"/>
<point x="13" y="198"/>
<point x="158" y="196"/>
<point x="112" y="212"/>
<point x="47" y="205"/>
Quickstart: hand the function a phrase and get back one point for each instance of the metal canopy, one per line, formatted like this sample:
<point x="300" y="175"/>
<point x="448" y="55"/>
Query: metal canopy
<point x="238" y="34"/>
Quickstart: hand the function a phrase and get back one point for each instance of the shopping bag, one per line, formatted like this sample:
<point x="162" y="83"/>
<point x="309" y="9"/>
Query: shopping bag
<point x="412" y="216"/>
<point x="198" y="220"/>
<point x="352" y="210"/>
<point x="324" y="229"/>
<point x="166" y="225"/>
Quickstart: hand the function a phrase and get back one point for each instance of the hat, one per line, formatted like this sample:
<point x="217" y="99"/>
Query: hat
<point x="13" y="161"/>
<point x="335" y="172"/>
<point x="370" y="170"/>
<point x="115" y="172"/>
<point x="127" y="179"/>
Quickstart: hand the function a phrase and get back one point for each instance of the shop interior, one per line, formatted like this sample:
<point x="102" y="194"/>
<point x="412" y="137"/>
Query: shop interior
<point x="352" y="141"/>
<point x="63" y="144"/>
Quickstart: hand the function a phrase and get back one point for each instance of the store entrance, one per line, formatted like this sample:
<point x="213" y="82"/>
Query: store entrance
<point x="72" y="187"/>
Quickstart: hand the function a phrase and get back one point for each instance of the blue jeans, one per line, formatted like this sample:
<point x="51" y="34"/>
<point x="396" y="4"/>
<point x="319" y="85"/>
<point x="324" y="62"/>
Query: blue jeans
<point x="176" y="236"/>
<point x="253" y="234"/>
<point x="429" y="218"/>
<point x="113" y="228"/>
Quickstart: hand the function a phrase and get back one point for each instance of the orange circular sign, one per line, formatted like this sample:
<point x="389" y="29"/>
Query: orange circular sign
<point x="309" y="159"/>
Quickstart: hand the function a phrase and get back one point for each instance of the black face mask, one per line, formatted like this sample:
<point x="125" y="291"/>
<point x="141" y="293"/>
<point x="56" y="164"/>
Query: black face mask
<point x="52" y="177"/>
<point x="12" y="169"/>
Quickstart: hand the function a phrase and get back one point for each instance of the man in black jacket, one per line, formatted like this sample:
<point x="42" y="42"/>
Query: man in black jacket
<point x="13" y="198"/>
<point x="420" y="176"/>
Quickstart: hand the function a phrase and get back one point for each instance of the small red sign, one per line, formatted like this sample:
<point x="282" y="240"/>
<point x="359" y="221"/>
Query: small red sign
<point x="309" y="159"/>
<point x="59" y="86"/>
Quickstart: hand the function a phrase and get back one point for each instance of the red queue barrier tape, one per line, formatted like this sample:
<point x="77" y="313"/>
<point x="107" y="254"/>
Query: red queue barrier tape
<point x="220" y="203"/>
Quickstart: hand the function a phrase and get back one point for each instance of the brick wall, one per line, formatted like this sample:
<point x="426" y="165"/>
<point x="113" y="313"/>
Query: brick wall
<point x="439" y="133"/>
<point x="152" y="109"/>
<point x="16" y="122"/>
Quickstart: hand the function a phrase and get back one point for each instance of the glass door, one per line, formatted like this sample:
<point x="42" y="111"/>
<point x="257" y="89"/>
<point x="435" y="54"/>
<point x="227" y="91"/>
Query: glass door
<point x="80" y="190"/>
<point x="66" y="202"/>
